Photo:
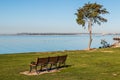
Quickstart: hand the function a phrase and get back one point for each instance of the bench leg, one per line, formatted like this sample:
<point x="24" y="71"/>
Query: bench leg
<point x="59" y="65"/>
<point x="36" y="69"/>
<point x="64" y="64"/>
<point x="56" y="66"/>
<point x="41" y="68"/>
<point x="47" y="68"/>
<point x="30" y="68"/>
<point x="51" y="66"/>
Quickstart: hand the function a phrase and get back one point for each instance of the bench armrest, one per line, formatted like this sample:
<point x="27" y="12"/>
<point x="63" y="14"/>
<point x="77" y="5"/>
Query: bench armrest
<point x="32" y="63"/>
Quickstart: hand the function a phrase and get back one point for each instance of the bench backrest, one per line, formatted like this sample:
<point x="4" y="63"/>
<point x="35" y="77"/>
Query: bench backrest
<point x="42" y="61"/>
<point x="53" y="60"/>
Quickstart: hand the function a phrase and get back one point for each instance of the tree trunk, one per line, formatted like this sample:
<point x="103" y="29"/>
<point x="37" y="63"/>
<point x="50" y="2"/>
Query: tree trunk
<point x="90" y="34"/>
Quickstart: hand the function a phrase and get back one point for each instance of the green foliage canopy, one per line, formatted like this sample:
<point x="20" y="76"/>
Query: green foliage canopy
<point x="91" y="12"/>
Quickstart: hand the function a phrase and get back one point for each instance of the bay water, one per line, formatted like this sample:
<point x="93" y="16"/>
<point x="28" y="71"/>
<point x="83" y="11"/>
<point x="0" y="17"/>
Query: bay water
<point x="44" y="43"/>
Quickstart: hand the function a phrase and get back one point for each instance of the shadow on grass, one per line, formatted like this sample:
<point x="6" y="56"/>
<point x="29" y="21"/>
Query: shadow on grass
<point x="44" y="71"/>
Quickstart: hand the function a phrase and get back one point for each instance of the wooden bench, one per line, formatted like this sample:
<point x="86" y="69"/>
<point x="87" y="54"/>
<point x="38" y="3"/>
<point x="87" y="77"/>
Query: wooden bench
<point x="48" y="63"/>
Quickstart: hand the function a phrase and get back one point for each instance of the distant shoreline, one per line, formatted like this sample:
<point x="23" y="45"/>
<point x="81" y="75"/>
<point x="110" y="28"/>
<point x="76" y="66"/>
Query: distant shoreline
<point x="57" y="34"/>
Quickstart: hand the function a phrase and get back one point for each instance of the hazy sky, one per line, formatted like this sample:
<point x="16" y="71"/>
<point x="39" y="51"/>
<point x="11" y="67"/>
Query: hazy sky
<point x="41" y="16"/>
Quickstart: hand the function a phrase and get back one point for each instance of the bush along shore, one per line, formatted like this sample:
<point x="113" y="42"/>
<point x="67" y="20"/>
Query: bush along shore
<point x="96" y="64"/>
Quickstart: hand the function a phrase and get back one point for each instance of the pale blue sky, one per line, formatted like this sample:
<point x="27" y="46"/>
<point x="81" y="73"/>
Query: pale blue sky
<point x="43" y="16"/>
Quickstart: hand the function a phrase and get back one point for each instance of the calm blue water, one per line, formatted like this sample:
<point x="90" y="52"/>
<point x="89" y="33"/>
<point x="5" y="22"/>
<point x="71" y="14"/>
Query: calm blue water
<point x="19" y="44"/>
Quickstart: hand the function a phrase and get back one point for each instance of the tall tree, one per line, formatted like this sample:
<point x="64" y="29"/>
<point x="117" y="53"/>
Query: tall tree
<point x="89" y="14"/>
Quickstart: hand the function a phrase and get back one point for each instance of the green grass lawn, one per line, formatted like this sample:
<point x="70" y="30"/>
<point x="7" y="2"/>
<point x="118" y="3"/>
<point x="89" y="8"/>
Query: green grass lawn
<point x="100" y="64"/>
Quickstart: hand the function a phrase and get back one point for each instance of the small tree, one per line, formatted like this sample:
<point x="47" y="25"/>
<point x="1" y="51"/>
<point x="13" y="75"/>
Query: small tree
<point x="89" y="14"/>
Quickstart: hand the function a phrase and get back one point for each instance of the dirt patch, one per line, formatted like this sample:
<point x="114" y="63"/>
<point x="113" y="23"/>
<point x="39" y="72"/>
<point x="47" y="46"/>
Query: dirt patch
<point x="38" y="73"/>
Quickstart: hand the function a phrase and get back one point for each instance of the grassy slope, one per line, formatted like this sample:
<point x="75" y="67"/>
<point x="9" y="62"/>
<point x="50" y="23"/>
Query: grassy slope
<point x="101" y="64"/>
